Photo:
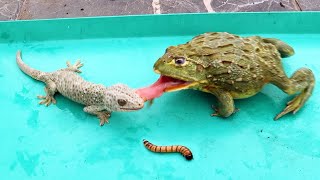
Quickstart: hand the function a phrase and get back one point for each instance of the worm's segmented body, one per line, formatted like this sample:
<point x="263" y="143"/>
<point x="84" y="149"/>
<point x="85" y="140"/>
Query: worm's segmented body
<point x="186" y="152"/>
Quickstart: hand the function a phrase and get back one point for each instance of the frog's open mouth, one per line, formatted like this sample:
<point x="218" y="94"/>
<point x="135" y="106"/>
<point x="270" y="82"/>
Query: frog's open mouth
<point x="163" y="84"/>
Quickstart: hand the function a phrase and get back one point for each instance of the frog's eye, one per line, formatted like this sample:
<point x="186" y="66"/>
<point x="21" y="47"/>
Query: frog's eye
<point x="122" y="102"/>
<point x="180" y="61"/>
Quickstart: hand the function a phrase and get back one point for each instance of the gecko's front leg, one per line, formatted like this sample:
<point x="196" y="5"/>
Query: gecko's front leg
<point x="104" y="117"/>
<point x="100" y="112"/>
<point x="75" y="67"/>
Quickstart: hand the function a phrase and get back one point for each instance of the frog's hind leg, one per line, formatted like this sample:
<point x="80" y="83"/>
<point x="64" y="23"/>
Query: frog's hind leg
<point x="75" y="67"/>
<point x="50" y="90"/>
<point x="302" y="81"/>
<point x="284" y="49"/>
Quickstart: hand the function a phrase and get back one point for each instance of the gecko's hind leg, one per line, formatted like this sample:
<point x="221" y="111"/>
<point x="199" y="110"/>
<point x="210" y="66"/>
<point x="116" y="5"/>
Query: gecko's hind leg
<point x="50" y="90"/>
<point x="75" y="67"/>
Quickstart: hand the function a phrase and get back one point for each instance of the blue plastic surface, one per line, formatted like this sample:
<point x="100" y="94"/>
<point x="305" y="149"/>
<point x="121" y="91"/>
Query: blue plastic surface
<point x="63" y="142"/>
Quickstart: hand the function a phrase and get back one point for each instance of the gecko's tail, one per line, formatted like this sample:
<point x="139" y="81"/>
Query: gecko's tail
<point x="35" y="74"/>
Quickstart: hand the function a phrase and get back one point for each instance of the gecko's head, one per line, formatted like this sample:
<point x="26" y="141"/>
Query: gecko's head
<point x="122" y="98"/>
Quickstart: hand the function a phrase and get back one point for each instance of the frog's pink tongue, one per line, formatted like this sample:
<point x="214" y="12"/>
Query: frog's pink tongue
<point x="159" y="87"/>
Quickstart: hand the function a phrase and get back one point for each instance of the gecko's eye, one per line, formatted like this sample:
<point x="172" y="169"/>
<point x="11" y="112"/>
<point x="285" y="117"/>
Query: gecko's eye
<point x="122" y="102"/>
<point x="180" y="61"/>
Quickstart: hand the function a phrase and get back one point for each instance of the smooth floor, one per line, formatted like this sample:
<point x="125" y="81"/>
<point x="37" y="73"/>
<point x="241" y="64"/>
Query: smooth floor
<point x="63" y="142"/>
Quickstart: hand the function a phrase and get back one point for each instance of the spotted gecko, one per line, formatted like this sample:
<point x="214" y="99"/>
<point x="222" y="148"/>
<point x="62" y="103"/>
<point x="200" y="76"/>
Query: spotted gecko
<point x="99" y="100"/>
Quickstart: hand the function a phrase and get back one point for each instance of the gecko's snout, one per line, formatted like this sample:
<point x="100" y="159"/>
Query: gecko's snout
<point x="133" y="106"/>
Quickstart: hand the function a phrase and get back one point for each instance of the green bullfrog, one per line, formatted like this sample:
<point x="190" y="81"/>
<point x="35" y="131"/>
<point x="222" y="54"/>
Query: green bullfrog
<point x="230" y="67"/>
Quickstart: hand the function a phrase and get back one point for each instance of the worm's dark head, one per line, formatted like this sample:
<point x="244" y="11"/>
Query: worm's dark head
<point x="189" y="157"/>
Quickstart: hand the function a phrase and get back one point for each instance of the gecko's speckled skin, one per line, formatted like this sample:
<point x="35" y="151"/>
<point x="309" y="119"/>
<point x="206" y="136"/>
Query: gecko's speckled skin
<point x="98" y="99"/>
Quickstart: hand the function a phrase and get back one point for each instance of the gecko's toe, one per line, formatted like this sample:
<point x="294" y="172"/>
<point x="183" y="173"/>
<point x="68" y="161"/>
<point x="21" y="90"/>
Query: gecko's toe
<point x="53" y="100"/>
<point x="43" y="102"/>
<point x="41" y="97"/>
<point x="103" y="121"/>
<point x="68" y="63"/>
<point x="103" y="117"/>
<point x="47" y="100"/>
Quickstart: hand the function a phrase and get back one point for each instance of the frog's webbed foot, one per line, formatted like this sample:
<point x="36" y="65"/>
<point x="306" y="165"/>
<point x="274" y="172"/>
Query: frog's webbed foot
<point x="76" y="67"/>
<point x="50" y="90"/>
<point x="216" y="110"/>
<point x="226" y="104"/>
<point x="293" y="106"/>
<point x="301" y="81"/>
<point x="104" y="117"/>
